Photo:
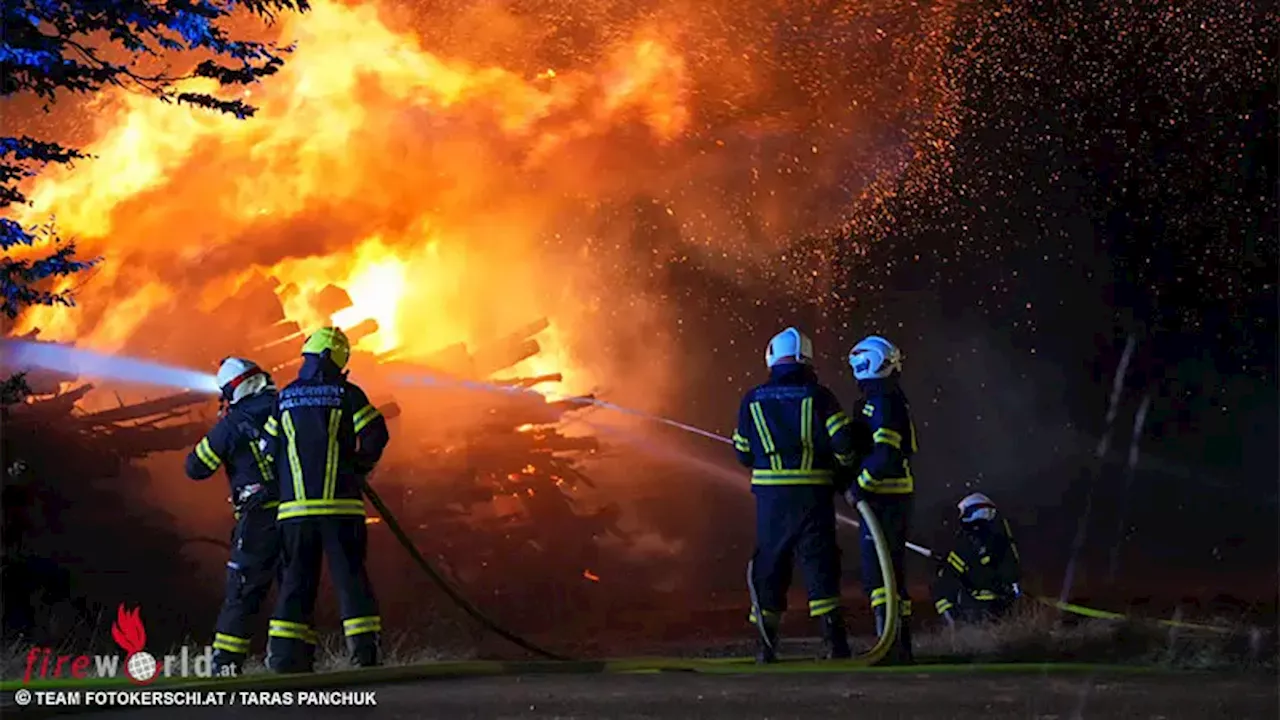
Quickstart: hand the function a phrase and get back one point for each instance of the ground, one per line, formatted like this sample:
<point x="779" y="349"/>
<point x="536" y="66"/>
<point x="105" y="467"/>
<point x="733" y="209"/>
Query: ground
<point x="777" y="696"/>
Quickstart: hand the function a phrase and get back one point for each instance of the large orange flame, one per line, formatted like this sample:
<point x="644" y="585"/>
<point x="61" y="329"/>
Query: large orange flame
<point x="455" y="199"/>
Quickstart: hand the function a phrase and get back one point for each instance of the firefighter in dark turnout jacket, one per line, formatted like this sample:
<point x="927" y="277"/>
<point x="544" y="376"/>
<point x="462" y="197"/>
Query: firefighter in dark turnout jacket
<point x="331" y="439"/>
<point x="793" y="435"/>
<point x="884" y="479"/>
<point x="978" y="580"/>
<point x="241" y="442"/>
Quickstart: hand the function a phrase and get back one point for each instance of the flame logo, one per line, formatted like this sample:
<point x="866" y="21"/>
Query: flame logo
<point x="128" y="631"/>
<point x="129" y="634"/>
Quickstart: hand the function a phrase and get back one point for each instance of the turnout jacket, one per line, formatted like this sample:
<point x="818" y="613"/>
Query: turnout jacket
<point x="331" y="437"/>
<point x="985" y="560"/>
<point x="791" y="430"/>
<point x="883" y="409"/>
<point x="241" y="442"/>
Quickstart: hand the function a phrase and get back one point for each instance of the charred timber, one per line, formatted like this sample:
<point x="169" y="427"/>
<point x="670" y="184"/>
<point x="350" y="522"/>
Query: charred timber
<point x="166" y="405"/>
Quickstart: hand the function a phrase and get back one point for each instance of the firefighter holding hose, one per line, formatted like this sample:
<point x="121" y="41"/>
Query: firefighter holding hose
<point x="979" y="579"/>
<point x="884" y="479"/>
<point x="331" y="439"/>
<point x="793" y="435"/>
<point x="242" y="442"/>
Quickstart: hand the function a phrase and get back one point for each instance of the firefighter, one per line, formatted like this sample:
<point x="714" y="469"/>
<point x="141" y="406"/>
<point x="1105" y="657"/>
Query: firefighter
<point x="884" y="478"/>
<point x="978" y="581"/>
<point x="793" y="435"/>
<point x="331" y="439"/>
<point x="241" y="442"/>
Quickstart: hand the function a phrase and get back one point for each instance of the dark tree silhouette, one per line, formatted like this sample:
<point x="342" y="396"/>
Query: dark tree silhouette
<point x="52" y="51"/>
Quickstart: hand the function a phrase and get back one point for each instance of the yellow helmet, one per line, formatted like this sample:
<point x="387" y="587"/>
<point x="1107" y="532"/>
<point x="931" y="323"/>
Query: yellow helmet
<point x="331" y="339"/>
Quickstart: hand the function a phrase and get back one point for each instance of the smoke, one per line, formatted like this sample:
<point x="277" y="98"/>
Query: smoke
<point x="566" y="161"/>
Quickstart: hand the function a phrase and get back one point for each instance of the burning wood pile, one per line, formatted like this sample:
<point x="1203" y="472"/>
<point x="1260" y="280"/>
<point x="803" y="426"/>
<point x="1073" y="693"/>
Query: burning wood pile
<point x="485" y="479"/>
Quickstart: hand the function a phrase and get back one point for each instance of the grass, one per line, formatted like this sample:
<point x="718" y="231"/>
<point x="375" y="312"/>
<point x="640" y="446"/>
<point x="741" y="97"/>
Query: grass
<point x="1035" y="635"/>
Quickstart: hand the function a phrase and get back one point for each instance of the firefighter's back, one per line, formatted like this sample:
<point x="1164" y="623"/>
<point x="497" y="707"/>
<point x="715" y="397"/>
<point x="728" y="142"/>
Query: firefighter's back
<point x="318" y="478"/>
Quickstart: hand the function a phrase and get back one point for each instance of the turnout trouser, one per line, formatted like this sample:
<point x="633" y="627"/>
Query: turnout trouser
<point x="293" y="637"/>
<point x="253" y="566"/>
<point x="795" y="522"/>
<point x="968" y="605"/>
<point x="894" y="514"/>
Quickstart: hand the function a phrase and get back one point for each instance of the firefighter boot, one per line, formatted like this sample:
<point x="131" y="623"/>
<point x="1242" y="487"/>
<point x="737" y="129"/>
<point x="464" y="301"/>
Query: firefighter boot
<point x="768" y="652"/>
<point x="291" y="657"/>
<point x="227" y="664"/>
<point x="902" y="654"/>
<point x="364" y="650"/>
<point x="835" y="641"/>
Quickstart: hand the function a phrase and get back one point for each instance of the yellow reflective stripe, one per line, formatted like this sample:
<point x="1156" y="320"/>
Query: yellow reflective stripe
<point x="295" y="464"/>
<point x="823" y="606"/>
<point x="766" y="440"/>
<point x="806" y="434"/>
<point x="740" y="443"/>
<point x="361" y="625"/>
<point x="915" y="446"/>
<point x="904" y="607"/>
<point x="315" y="508"/>
<point x="206" y="454"/>
<point x="366" y="415"/>
<point x="791" y="477"/>
<point x="837" y="422"/>
<point x="888" y="437"/>
<point x="846" y="458"/>
<point x="943" y="605"/>
<point x="983" y="595"/>
<point x="272" y="427"/>
<point x="292" y="630"/>
<point x="230" y="643"/>
<point x="886" y="486"/>
<point x="264" y="466"/>
<point x="879" y="596"/>
<point x="868" y="410"/>
<point x="331" y="455"/>
<point x="955" y="562"/>
<point x="768" y="614"/>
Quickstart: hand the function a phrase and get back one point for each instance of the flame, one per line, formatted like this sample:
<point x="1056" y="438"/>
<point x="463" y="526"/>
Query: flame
<point x="327" y="139"/>
<point x="456" y="192"/>
<point x="590" y="576"/>
<point x="128" y="630"/>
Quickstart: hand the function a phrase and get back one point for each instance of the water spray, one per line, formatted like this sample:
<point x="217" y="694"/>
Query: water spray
<point x="23" y="356"/>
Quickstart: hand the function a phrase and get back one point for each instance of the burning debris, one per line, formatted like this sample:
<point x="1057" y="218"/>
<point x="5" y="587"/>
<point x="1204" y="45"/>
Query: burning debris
<point x="488" y="480"/>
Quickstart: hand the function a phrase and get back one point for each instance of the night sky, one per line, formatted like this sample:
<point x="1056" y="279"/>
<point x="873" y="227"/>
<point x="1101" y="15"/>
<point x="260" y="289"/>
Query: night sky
<point x="1115" y="175"/>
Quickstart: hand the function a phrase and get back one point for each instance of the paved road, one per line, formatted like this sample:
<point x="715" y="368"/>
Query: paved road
<point x="948" y="696"/>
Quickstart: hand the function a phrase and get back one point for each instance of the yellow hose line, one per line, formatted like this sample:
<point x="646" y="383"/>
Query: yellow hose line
<point x="1115" y="616"/>
<point x="889" y="635"/>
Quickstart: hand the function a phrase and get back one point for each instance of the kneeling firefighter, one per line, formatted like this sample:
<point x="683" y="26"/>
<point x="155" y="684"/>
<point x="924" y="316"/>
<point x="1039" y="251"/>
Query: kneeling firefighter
<point x="332" y="439"/>
<point x="793" y="435"/>
<point x="979" y="578"/>
<point x="241" y="441"/>
<point x="884" y="479"/>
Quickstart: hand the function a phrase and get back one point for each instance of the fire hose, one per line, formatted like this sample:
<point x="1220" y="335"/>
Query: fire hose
<point x="889" y="633"/>
<point x="446" y="587"/>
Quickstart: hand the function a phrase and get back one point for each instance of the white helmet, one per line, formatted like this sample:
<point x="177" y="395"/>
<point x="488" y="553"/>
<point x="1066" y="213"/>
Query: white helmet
<point x="239" y="378"/>
<point x="790" y="344"/>
<point x="976" y="507"/>
<point x="874" y="357"/>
